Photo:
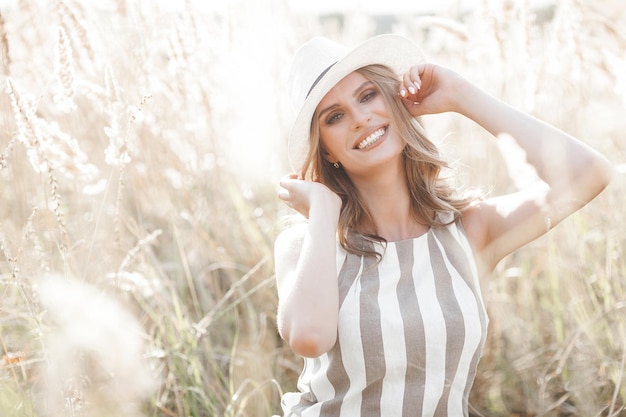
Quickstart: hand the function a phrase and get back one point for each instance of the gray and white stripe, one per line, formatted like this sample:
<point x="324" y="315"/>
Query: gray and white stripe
<point x="410" y="334"/>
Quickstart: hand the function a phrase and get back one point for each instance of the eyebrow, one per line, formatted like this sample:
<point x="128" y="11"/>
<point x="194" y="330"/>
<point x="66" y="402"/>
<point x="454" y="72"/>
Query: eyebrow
<point x="356" y="93"/>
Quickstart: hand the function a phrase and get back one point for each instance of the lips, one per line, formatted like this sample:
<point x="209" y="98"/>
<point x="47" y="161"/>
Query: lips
<point x="372" y="138"/>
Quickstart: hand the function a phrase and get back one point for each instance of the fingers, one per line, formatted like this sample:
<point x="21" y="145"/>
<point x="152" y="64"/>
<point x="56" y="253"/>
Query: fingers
<point x="411" y="83"/>
<point x="288" y="180"/>
<point x="283" y="194"/>
<point x="286" y="184"/>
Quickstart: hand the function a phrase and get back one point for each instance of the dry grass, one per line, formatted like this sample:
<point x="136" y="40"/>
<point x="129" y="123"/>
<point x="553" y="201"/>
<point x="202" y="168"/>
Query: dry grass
<point x="139" y="151"/>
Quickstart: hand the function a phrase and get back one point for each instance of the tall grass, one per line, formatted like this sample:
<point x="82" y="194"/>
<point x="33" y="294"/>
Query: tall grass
<point x="118" y="174"/>
<point x="139" y="151"/>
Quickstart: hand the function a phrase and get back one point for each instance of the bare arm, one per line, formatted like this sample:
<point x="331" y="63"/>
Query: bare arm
<point x="306" y="272"/>
<point x="572" y="173"/>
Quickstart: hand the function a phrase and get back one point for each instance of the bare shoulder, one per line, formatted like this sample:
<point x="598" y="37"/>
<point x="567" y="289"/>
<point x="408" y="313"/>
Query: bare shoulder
<point x="475" y="219"/>
<point x="499" y="225"/>
<point x="474" y="222"/>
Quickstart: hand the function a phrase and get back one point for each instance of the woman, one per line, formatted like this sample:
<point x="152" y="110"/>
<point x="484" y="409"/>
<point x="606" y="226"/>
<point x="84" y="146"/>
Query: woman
<point x="379" y="290"/>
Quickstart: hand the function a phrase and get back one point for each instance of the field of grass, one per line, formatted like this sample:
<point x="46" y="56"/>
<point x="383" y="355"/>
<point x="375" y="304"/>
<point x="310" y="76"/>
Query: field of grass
<point x="140" y="148"/>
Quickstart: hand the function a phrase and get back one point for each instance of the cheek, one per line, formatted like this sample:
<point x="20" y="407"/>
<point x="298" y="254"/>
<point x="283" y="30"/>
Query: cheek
<point x="324" y="149"/>
<point x="329" y="140"/>
<point x="384" y="106"/>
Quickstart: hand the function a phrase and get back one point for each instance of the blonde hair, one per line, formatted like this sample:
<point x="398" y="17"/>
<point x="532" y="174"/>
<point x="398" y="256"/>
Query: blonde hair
<point x="433" y="199"/>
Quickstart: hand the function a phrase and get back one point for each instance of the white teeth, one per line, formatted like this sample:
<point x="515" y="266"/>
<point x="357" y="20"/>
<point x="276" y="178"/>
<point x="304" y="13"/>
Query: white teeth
<point x="368" y="141"/>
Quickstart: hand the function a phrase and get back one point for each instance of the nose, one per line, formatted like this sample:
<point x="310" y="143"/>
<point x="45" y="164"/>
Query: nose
<point x="360" y="118"/>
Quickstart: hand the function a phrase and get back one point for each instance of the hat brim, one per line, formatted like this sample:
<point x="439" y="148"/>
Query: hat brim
<point x="393" y="51"/>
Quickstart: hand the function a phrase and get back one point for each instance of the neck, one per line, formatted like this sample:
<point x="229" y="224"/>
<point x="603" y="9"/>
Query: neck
<point x="387" y="198"/>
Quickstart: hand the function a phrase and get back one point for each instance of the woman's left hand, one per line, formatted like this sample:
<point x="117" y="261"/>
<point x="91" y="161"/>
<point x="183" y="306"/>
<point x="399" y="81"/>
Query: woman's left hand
<point x="430" y="89"/>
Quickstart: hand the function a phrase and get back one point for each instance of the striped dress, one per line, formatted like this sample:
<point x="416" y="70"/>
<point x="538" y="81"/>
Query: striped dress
<point x="411" y="331"/>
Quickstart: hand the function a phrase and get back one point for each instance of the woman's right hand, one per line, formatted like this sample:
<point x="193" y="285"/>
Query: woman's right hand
<point x="301" y="195"/>
<point x="306" y="268"/>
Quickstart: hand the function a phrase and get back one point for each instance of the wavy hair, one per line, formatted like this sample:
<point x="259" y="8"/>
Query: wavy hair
<point x="433" y="199"/>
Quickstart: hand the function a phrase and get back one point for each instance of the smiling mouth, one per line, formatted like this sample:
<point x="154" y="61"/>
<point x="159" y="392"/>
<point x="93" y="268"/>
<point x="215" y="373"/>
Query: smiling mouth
<point x="372" y="139"/>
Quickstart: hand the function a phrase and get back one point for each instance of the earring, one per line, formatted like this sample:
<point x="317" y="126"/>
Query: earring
<point x="336" y="165"/>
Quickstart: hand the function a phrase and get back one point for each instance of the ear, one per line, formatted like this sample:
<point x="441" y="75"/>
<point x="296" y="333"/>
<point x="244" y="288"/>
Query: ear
<point x="328" y="157"/>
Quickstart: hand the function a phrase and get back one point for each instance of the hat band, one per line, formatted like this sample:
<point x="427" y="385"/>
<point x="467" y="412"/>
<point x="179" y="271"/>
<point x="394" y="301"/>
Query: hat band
<point x="319" y="77"/>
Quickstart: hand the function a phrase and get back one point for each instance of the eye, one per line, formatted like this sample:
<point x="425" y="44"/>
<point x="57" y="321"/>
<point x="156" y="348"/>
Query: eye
<point x="334" y="118"/>
<point x="368" y="95"/>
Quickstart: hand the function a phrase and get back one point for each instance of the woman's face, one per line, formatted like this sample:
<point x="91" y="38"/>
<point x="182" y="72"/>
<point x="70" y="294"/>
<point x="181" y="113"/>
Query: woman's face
<point x="356" y="127"/>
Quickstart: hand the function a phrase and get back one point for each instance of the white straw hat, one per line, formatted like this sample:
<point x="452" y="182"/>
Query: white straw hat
<point x="321" y="63"/>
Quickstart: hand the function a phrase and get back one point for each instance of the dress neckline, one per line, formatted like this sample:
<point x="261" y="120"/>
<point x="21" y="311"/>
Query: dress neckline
<point x="411" y="239"/>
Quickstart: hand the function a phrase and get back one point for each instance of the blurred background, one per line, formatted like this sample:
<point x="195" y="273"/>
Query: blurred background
<point x="141" y="143"/>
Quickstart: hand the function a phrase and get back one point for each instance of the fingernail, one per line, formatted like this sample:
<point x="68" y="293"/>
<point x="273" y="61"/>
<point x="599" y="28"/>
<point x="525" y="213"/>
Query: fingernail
<point x="418" y="84"/>
<point x="403" y="92"/>
<point x="412" y="89"/>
